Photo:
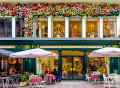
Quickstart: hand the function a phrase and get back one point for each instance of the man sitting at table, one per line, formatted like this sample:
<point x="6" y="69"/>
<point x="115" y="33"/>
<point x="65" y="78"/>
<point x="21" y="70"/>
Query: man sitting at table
<point x="47" y="71"/>
<point x="55" y="73"/>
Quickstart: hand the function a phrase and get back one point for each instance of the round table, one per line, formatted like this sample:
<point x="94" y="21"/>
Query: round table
<point x="35" y="80"/>
<point x="95" y="77"/>
<point x="49" y="78"/>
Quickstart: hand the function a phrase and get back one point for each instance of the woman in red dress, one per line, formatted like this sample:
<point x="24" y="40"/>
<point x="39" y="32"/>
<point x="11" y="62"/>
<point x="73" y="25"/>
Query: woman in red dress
<point x="47" y="71"/>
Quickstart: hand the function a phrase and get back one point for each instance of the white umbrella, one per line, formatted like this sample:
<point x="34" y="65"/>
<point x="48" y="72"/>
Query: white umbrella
<point x="33" y="53"/>
<point x="106" y="52"/>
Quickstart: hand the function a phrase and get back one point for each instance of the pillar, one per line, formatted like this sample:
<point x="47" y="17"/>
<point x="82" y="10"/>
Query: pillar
<point x="85" y="62"/>
<point x="49" y="27"/>
<point x="84" y="27"/>
<point x="59" y="64"/>
<point x="101" y="27"/>
<point x="13" y="27"/>
<point x="66" y="27"/>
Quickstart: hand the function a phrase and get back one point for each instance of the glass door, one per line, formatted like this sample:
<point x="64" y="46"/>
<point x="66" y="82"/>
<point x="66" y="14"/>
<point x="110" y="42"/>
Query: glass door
<point x="72" y="67"/>
<point x="67" y="67"/>
<point x="77" y="67"/>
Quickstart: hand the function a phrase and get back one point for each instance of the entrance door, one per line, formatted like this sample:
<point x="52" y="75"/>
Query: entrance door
<point x="72" y="67"/>
<point x="77" y="67"/>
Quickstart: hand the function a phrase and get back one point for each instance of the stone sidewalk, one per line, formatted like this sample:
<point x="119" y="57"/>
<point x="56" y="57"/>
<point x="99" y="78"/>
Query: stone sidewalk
<point x="67" y="84"/>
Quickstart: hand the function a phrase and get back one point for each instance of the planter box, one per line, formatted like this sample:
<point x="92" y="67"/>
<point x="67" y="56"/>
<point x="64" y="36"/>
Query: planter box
<point x="24" y="83"/>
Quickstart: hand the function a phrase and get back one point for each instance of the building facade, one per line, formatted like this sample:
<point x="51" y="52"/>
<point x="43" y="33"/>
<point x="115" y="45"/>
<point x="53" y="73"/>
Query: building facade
<point x="71" y="30"/>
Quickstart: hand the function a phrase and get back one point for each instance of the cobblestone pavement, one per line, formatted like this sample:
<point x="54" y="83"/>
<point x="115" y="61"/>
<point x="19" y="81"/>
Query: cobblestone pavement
<point x="67" y="84"/>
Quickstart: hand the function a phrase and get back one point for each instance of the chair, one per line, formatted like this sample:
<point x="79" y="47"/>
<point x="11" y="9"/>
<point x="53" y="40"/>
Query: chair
<point x="88" y="78"/>
<point x="104" y="75"/>
<point x="109" y="83"/>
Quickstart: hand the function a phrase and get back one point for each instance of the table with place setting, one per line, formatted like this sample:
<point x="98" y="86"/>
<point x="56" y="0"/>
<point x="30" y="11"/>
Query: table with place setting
<point x="95" y="77"/>
<point x="49" y="78"/>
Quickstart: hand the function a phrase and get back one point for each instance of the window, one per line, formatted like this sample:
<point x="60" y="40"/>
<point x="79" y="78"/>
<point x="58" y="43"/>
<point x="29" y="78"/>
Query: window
<point x="19" y="27"/>
<point x="58" y="27"/>
<point x="41" y="27"/>
<point x="5" y="27"/>
<point x="109" y="27"/>
<point x="49" y="62"/>
<point x="96" y="64"/>
<point x="92" y="27"/>
<point x="75" y="27"/>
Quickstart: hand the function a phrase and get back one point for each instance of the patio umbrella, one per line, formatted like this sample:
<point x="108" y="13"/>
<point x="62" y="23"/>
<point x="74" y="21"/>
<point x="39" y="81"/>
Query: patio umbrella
<point x="5" y="53"/>
<point x="105" y="52"/>
<point x="33" y="53"/>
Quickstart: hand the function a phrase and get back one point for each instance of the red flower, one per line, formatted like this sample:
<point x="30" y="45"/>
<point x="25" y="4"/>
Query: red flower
<point x="71" y="4"/>
<point x="13" y="12"/>
<point x="29" y="33"/>
<point x="108" y="7"/>
<point x="35" y="5"/>
<point x="38" y="7"/>
<point x="68" y="14"/>
<point x="84" y="7"/>
<point x="6" y="5"/>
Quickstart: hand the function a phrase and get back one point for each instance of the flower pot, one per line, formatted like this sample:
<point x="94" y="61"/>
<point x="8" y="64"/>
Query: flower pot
<point x="58" y="36"/>
<point x="91" y="36"/>
<point x="22" y="84"/>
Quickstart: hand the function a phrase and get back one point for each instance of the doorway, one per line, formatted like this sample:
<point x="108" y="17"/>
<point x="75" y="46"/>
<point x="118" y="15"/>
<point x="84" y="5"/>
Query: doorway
<point x="72" y="67"/>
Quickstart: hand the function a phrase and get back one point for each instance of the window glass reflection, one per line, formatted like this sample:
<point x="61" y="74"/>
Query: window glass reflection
<point x="75" y="27"/>
<point x="5" y="27"/>
<point x="109" y="27"/>
<point x="41" y="27"/>
<point x="20" y="27"/>
<point x="92" y="27"/>
<point x="58" y="27"/>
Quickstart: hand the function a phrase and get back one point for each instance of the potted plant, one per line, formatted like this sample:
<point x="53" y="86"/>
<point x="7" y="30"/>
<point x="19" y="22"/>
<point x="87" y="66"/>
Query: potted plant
<point x="24" y="80"/>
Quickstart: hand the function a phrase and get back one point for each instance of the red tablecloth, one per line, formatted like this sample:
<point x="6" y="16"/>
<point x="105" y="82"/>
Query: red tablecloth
<point x="95" y="76"/>
<point x="49" y="78"/>
<point x="36" y="80"/>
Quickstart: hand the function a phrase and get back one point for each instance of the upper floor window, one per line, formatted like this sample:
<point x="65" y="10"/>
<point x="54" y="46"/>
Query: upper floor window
<point x="20" y="27"/>
<point x="58" y="27"/>
<point x="41" y="27"/>
<point x="5" y="27"/>
<point x="75" y="27"/>
<point x="92" y="27"/>
<point x="109" y="27"/>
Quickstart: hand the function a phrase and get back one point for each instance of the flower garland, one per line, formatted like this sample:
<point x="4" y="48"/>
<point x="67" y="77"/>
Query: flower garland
<point x="29" y="10"/>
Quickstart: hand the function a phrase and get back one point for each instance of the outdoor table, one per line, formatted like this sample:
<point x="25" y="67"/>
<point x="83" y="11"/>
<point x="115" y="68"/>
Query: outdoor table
<point x="95" y="77"/>
<point x="2" y="78"/>
<point x="49" y="78"/>
<point x="35" y="80"/>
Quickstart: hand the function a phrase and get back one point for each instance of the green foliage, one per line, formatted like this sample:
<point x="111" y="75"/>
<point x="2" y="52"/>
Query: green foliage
<point x="24" y="77"/>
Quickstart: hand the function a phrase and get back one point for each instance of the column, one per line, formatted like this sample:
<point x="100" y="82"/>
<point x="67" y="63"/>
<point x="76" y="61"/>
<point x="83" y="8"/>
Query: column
<point x="66" y="27"/>
<point x="100" y="27"/>
<point x="13" y="27"/>
<point x="118" y="26"/>
<point x="60" y="64"/>
<point x="49" y="27"/>
<point x="85" y="62"/>
<point x="84" y="27"/>
<point x="34" y="30"/>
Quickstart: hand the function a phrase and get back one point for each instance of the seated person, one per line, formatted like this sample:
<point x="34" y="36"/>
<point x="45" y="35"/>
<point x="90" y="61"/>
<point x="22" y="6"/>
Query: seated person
<point x="55" y="73"/>
<point x="47" y="71"/>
